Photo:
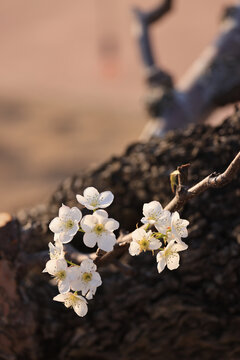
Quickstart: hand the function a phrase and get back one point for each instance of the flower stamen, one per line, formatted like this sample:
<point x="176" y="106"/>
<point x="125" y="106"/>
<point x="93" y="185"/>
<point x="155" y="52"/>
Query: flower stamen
<point x="87" y="277"/>
<point x="99" y="228"/>
<point x="61" y="275"/>
<point x="144" y="244"/>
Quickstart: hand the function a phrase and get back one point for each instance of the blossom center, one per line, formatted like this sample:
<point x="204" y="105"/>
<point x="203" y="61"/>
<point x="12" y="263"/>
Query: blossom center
<point x="55" y="254"/>
<point x="72" y="299"/>
<point x="69" y="224"/>
<point x="61" y="275"/>
<point x="152" y="217"/>
<point x="87" y="277"/>
<point x="168" y="252"/>
<point x="99" y="228"/>
<point x="144" y="244"/>
<point x="94" y="202"/>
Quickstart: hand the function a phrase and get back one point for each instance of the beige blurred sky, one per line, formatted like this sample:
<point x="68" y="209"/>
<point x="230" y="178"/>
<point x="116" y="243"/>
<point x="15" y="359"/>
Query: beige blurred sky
<point x="76" y="49"/>
<point x="71" y="83"/>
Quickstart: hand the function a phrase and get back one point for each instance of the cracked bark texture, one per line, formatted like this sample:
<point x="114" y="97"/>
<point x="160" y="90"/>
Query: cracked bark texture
<point x="189" y="313"/>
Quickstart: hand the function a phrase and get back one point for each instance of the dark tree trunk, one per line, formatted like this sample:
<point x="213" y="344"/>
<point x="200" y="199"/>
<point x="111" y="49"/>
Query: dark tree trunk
<point x="189" y="313"/>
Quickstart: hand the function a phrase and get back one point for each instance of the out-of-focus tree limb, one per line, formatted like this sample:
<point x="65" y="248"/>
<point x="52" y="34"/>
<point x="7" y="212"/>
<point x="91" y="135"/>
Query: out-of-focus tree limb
<point x="212" y="81"/>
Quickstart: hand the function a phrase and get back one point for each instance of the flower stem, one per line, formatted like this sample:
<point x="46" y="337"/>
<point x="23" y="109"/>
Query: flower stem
<point x="71" y="263"/>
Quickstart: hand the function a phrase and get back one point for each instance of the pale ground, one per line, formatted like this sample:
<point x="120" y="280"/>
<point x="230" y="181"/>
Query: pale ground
<point x="72" y="83"/>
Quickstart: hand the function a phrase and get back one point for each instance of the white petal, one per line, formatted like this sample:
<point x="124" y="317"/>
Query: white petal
<point x="185" y="222"/>
<point x="144" y="220"/>
<point x="63" y="286"/>
<point x="154" y="207"/>
<point x="90" y="239"/>
<point x="61" y="297"/>
<point x="81" y="199"/>
<point x="90" y="192"/>
<point x="180" y="246"/>
<point x="73" y="272"/>
<point x="175" y="216"/>
<point x="161" y="228"/>
<point x="138" y="234"/>
<point x="64" y="212"/>
<point x="89" y="198"/>
<point x="76" y="214"/>
<point x="163" y="222"/>
<point x="63" y="238"/>
<point x="89" y="295"/>
<point x="165" y="218"/>
<point x="155" y="244"/>
<point x="51" y="247"/>
<point x="160" y="255"/>
<point x="56" y="225"/>
<point x="56" y="252"/>
<point x="88" y="222"/>
<point x="96" y="280"/>
<point x="51" y="267"/>
<point x="169" y="246"/>
<point x="105" y="199"/>
<point x="173" y="261"/>
<point x="61" y="265"/>
<point x="87" y="265"/>
<point x="71" y="232"/>
<point x="161" y="263"/>
<point x="80" y="307"/>
<point x="76" y="285"/>
<point x="183" y="232"/>
<point x="111" y="225"/>
<point x="101" y="219"/>
<point x="106" y="241"/>
<point x="101" y="213"/>
<point x="134" y="248"/>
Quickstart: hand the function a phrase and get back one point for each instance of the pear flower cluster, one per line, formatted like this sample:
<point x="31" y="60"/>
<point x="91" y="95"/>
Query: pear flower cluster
<point x="162" y="233"/>
<point x="78" y="283"/>
<point x="167" y="240"/>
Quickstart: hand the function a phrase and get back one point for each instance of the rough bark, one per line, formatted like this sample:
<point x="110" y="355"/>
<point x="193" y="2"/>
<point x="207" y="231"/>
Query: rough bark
<point x="190" y="313"/>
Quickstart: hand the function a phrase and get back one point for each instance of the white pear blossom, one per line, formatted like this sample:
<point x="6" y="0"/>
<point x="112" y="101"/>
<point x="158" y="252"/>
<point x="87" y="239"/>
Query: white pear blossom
<point x="169" y="256"/>
<point x="163" y="225"/>
<point x="179" y="226"/>
<point x="65" y="226"/>
<point x="155" y="215"/>
<point x="56" y="251"/>
<point x="77" y="302"/>
<point x="86" y="278"/>
<point x="143" y="241"/>
<point x="152" y="211"/>
<point x="60" y="270"/>
<point x="92" y="200"/>
<point x="99" y="230"/>
<point x="174" y="228"/>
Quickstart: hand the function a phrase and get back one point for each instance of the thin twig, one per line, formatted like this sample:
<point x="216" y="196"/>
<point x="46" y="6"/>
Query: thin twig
<point x="144" y="20"/>
<point x="213" y="180"/>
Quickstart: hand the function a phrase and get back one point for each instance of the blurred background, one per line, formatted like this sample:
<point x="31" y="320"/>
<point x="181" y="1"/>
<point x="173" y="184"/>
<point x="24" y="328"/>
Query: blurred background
<point x="71" y="84"/>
